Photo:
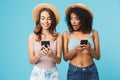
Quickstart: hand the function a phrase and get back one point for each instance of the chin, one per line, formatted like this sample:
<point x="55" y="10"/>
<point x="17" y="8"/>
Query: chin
<point x="76" y="29"/>
<point x="46" y="27"/>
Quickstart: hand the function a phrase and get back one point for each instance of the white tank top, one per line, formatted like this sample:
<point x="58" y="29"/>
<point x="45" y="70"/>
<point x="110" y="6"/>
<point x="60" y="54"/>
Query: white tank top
<point x="45" y="61"/>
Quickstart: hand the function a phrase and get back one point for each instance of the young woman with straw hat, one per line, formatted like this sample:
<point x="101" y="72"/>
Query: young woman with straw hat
<point x="44" y="44"/>
<point x="81" y="43"/>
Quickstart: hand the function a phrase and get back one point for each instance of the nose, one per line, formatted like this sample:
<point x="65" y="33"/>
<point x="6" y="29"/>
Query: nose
<point x="73" y="21"/>
<point x="46" y="20"/>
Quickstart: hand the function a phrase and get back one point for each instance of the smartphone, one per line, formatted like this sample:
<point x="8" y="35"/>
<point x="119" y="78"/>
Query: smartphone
<point x="84" y="42"/>
<point x="45" y="43"/>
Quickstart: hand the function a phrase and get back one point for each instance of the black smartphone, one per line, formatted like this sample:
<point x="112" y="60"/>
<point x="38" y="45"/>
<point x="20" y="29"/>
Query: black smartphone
<point x="45" y="43"/>
<point x="84" y="42"/>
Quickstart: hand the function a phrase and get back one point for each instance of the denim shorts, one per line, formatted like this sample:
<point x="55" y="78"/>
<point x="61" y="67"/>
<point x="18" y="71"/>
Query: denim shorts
<point x="84" y="73"/>
<point x="42" y="74"/>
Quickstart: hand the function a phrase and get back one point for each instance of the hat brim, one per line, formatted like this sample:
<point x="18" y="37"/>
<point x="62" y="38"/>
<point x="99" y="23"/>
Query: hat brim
<point x="80" y="6"/>
<point x="45" y="5"/>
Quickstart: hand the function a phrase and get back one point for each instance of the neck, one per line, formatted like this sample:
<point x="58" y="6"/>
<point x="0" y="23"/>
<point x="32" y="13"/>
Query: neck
<point x="75" y="32"/>
<point x="46" y="32"/>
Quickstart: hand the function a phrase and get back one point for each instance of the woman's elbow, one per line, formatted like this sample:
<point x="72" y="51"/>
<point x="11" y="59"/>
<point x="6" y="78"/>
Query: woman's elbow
<point x="58" y="61"/>
<point x="98" y="58"/>
<point x="31" y="61"/>
<point x="65" y="58"/>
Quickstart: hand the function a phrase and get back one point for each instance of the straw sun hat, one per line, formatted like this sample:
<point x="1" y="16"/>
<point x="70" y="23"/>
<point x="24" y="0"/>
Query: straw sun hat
<point x="80" y="6"/>
<point x="37" y="8"/>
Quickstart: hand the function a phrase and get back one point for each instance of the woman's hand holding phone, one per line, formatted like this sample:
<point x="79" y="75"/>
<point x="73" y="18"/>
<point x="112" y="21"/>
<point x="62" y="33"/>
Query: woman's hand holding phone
<point x="86" y="47"/>
<point x="78" y="49"/>
<point x="43" y="51"/>
<point x="50" y="52"/>
<point x="46" y="51"/>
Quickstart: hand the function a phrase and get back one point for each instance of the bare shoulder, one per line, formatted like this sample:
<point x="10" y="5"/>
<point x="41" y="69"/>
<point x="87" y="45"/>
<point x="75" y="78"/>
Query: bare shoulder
<point x="59" y="36"/>
<point x="31" y="36"/>
<point x="95" y="32"/>
<point x="65" y="34"/>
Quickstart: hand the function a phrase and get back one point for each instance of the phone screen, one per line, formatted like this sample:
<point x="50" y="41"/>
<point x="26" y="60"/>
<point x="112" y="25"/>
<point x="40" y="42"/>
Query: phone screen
<point x="84" y="42"/>
<point x="45" y="43"/>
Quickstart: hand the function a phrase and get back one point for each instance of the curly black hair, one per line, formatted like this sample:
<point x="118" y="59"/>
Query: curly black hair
<point x="84" y="16"/>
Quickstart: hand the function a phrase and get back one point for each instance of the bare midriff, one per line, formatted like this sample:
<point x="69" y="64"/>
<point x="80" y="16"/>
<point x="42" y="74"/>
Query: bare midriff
<point x="82" y="60"/>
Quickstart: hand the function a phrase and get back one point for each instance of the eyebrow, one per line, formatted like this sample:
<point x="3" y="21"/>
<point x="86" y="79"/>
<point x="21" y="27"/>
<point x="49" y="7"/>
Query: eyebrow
<point x="47" y="17"/>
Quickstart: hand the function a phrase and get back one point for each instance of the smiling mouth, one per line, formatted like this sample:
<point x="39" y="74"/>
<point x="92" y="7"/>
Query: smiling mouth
<point x="46" y="25"/>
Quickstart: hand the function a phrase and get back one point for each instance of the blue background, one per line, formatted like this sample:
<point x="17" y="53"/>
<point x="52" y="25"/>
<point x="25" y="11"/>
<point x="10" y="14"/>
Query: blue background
<point x="16" y="24"/>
